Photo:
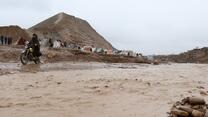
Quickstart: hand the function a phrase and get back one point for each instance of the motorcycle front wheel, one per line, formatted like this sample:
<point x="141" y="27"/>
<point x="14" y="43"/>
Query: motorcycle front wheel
<point x="24" y="59"/>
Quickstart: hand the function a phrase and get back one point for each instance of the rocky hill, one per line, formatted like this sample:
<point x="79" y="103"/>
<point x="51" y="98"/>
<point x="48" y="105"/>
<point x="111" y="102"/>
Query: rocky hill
<point x="192" y="56"/>
<point x="15" y="32"/>
<point x="70" y="29"/>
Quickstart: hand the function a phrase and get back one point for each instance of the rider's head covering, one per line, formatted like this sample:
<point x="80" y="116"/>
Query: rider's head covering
<point x="35" y="35"/>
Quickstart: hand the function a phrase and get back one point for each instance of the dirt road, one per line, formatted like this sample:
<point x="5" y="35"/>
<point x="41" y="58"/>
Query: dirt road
<point x="118" y="90"/>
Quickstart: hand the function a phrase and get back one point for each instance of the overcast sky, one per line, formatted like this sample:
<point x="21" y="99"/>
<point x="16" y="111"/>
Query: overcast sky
<point x="146" y="26"/>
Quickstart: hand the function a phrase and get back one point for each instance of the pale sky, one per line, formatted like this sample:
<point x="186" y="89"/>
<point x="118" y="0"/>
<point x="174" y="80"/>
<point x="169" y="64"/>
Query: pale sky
<point x="146" y="26"/>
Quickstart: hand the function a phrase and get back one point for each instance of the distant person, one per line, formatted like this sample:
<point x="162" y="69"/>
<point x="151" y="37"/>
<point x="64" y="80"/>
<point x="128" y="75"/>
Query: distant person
<point x="65" y="44"/>
<point x="78" y="47"/>
<point x="6" y="40"/>
<point x="128" y="54"/>
<point x="9" y="40"/>
<point x="50" y="43"/>
<point x="35" y="44"/>
<point x="1" y="39"/>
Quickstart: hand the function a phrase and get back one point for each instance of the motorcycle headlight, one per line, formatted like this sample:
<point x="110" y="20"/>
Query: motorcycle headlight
<point x="31" y="50"/>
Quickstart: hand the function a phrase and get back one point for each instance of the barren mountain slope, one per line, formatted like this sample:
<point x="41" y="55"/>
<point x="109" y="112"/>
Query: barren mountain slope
<point x="15" y="32"/>
<point x="71" y="29"/>
<point x="191" y="56"/>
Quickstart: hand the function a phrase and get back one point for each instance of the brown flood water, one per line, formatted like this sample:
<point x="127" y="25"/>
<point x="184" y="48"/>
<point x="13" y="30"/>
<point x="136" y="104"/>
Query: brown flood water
<point x="10" y="68"/>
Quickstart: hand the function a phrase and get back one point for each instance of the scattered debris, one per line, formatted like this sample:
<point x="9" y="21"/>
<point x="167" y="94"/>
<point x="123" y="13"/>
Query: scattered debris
<point x="123" y="67"/>
<point x="156" y="62"/>
<point x="58" y="83"/>
<point x="106" y="86"/>
<point x="6" y="105"/>
<point x="94" y="87"/>
<point x="203" y="93"/>
<point x="148" y="83"/>
<point x="200" y="87"/>
<point x="30" y="86"/>
<point x="189" y="107"/>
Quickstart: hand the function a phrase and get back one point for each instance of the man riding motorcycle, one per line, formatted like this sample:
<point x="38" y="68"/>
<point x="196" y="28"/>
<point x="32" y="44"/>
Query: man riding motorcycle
<point x="34" y="43"/>
<point x="32" y="51"/>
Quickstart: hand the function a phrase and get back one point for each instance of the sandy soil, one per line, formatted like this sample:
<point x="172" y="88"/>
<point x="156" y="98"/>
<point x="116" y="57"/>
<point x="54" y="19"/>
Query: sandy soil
<point x="129" y="91"/>
<point x="10" y="54"/>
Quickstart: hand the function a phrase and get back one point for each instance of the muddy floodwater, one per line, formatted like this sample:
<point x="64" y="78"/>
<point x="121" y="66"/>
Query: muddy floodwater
<point x="10" y="68"/>
<point x="70" y="89"/>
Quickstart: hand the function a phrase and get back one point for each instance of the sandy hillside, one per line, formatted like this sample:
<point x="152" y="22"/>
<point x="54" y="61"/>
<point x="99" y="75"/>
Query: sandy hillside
<point x="138" y="91"/>
<point x="71" y="29"/>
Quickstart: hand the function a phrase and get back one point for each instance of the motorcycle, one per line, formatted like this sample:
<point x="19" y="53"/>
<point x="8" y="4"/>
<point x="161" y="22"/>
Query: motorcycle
<point x="27" y="55"/>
